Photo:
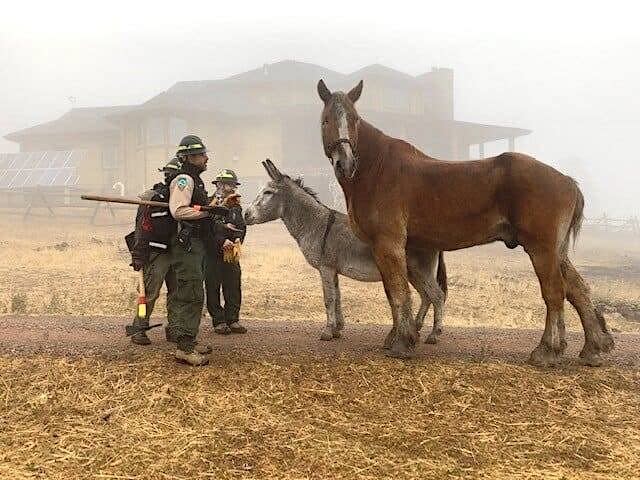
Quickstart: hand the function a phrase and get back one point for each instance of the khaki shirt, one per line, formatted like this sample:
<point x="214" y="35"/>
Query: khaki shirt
<point x="180" y="193"/>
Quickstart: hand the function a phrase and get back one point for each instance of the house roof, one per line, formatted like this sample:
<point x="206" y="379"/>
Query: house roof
<point x="233" y="97"/>
<point x="228" y="95"/>
<point x="76" y="120"/>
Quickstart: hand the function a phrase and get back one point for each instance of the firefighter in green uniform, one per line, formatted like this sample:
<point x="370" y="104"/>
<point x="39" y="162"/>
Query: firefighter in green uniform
<point x="220" y="273"/>
<point x="186" y="195"/>
<point x="149" y="247"/>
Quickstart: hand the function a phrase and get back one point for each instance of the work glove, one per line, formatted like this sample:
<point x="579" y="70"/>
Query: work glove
<point x="139" y="259"/>
<point x="231" y="200"/>
<point x="231" y="251"/>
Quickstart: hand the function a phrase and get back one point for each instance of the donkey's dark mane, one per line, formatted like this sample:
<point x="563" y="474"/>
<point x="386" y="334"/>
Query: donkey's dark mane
<point x="310" y="191"/>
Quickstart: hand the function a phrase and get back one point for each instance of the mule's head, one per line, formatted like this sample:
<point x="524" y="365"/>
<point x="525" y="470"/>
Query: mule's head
<point x="340" y="129"/>
<point x="269" y="203"/>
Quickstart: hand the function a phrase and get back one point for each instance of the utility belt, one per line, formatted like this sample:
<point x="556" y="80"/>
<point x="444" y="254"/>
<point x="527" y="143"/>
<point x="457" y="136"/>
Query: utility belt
<point x="187" y="231"/>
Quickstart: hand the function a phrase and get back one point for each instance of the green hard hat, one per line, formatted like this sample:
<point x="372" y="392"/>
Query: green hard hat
<point x="191" y="145"/>
<point x="227" y="176"/>
<point x="172" y="166"/>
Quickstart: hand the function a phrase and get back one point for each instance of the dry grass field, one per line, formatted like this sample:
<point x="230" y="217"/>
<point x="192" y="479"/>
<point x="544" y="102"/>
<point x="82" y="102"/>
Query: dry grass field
<point x="257" y="411"/>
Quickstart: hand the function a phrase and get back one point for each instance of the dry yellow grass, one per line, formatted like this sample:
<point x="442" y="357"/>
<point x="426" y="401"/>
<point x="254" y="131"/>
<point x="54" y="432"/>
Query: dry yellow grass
<point x="488" y="285"/>
<point x="300" y="418"/>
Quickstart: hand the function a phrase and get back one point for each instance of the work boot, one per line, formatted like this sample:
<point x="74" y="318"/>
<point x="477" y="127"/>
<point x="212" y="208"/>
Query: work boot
<point x="203" y="348"/>
<point x="170" y="335"/>
<point x="236" y="327"/>
<point x="140" y="338"/>
<point x="222" y="329"/>
<point x="192" y="358"/>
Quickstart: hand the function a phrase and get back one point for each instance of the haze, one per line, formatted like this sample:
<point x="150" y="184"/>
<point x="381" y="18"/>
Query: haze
<point x="568" y="73"/>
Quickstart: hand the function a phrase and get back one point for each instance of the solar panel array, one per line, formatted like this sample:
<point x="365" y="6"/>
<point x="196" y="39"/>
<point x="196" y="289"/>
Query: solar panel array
<point x="38" y="169"/>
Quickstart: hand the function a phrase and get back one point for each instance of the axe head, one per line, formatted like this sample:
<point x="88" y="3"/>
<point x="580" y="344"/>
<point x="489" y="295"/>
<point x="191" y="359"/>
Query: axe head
<point x="132" y="330"/>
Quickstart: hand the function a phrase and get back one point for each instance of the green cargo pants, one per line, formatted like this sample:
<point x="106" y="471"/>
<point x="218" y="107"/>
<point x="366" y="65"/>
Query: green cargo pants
<point x="157" y="272"/>
<point x="219" y="273"/>
<point x="189" y="295"/>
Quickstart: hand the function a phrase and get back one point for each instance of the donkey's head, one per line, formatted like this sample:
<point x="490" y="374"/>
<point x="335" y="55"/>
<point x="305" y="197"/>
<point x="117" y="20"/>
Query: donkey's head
<point x="268" y="204"/>
<point x="340" y="129"/>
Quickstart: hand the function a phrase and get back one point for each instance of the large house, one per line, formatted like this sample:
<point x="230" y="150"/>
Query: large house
<point x="270" y="112"/>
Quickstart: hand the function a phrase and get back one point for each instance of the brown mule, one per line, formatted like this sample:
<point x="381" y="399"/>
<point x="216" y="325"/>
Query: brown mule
<point x="398" y="197"/>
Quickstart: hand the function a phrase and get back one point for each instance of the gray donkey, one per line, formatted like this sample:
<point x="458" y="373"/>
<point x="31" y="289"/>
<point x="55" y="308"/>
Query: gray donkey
<point x="329" y="245"/>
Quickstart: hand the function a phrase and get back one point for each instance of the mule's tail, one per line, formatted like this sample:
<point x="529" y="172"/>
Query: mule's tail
<point x="442" y="274"/>
<point x="578" y="215"/>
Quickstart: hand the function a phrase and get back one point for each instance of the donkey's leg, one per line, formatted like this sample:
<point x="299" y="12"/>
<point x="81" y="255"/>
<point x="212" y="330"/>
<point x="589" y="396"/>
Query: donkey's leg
<point x="597" y="338"/>
<point x="390" y="257"/>
<point x="329" y="293"/>
<point x="338" y="308"/>
<point x="552" y="344"/>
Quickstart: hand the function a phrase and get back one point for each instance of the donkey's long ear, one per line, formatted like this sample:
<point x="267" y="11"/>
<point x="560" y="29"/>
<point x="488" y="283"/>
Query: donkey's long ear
<point x="323" y="91"/>
<point x="354" y="93"/>
<point x="272" y="170"/>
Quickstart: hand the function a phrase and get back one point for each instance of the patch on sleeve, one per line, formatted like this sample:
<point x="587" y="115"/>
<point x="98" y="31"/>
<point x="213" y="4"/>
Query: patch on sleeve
<point x="181" y="183"/>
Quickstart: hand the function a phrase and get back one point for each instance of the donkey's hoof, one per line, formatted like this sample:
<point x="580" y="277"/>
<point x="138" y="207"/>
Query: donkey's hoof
<point x="401" y="349"/>
<point x="591" y="360"/>
<point x="543" y="356"/>
<point x="402" y="353"/>
<point x="326" y="335"/>
<point x="432" y="339"/>
<point x="336" y="334"/>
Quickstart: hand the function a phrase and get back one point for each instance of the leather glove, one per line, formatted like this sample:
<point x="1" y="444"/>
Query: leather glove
<point x="232" y="199"/>
<point x="138" y="259"/>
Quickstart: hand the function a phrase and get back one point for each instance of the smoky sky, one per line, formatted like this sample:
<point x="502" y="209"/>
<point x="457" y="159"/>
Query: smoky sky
<point x="569" y="72"/>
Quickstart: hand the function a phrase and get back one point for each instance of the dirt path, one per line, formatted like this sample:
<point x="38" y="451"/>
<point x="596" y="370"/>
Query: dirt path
<point x="104" y="337"/>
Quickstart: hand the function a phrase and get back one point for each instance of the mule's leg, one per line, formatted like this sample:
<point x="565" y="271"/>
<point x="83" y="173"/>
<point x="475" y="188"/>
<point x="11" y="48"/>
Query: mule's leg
<point x="338" y="308"/>
<point x="417" y="280"/>
<point x="552" y="344"/>
<point x="597" y="338"/>
<point x="437" y="296"/>
<point x="422" y="273"/>
<point x="391" y="336"/>
<point x="390" y="257"/>
<point x="329" y="293"/>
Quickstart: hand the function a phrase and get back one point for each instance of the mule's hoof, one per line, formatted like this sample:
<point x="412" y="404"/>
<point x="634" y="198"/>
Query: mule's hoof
<point x="432" y="339"/>
<point x="337" y="334"/>
<point x="326" y="336"/>
<point x="602" y="343"/>
<point x="592" y="360"/>
<point x="544" y="357"/>
<point x="606" y="342"/>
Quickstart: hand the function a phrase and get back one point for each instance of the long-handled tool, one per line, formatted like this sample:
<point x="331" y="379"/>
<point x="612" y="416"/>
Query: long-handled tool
<point x="217" y="209"/>
<point x="142" y="309"/>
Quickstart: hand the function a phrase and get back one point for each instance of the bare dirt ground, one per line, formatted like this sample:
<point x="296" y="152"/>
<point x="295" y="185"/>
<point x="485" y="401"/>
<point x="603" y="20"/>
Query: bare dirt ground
<point x="103" y="337"/>
<point x="77" y="400"/>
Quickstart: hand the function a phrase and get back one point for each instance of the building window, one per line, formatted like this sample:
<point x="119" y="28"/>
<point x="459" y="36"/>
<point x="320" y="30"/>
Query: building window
<point x="155" y="131"/>
<point x="110" y="158"/>
<point x="141" y="135"/>
<point x="177" y="130"/>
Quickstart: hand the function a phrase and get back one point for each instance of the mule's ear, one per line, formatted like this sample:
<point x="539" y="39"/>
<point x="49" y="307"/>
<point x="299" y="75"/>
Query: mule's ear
<point x="323" y="91"/>
<point x="354" y="93"/>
